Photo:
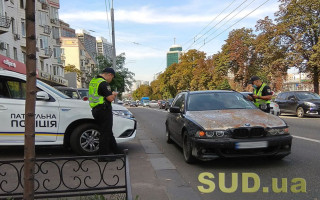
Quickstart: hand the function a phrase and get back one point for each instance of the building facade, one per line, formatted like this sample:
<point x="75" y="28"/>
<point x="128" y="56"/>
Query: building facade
<point x="13" y="38"/>
<point x="173" y="55"/>
<point x="89" y="42"/>
<point x="104" y="47"/>
<point x="74" y="53"/>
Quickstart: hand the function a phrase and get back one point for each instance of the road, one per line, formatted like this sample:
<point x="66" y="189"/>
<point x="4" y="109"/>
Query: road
<point x="297" y="170"/>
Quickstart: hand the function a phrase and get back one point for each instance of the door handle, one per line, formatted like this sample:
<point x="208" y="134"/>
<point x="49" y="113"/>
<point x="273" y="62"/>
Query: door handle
<point x="3" y="107"/>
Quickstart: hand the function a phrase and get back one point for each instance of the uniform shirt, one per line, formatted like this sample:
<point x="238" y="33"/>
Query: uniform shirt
<point x="104" y="90"/>
<point x="266" y="91"/>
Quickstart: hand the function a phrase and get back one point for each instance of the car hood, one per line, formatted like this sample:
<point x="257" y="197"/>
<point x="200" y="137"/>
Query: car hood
<point x="235" y="118"/>
<point x="315" y="101"/>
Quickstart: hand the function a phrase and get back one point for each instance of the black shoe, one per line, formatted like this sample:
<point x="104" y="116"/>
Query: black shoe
<point x="106" y="159"/>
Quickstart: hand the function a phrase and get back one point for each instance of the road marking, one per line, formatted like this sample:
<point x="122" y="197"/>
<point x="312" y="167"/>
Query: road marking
<point x="308" y="139"/>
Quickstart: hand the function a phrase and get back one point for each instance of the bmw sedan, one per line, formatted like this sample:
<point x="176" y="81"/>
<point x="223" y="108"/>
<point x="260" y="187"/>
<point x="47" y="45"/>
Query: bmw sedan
<point x="210" y="124"/>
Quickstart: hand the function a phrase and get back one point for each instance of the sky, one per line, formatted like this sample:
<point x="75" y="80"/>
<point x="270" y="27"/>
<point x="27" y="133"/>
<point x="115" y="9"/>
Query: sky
<point x="146" y="29"/>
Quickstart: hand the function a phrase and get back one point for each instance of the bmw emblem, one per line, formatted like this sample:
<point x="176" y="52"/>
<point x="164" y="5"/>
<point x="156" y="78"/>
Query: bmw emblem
<point x="247" y="124"/>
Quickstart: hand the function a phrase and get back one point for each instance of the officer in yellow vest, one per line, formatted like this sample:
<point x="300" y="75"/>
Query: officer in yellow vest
<point x="261" y="94"/>
<point x="100" y="98"/>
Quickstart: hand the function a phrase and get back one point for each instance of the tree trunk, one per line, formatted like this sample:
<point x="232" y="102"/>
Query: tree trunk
<point x="29" y="142"/>
<point x="316" y="79"/>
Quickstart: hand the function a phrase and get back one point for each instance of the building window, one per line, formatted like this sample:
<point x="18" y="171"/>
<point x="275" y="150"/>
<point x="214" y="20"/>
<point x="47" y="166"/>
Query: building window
<point x="55" y="33"/>
<point x="8" y="51"/>
<point x="13" y="25"/>
<point x="47" y="68"/>
<point x="44" y="42"/>
<point x="42" y="18"/>
<point x="23" y="28"/>
<point x="41" y="65"/>
<point x="15" y="53"/>
<point x="24" y="57"/>
<point x="54" y="14"/>
<point x="54" y="70"/>
<point x="21" y="4"/>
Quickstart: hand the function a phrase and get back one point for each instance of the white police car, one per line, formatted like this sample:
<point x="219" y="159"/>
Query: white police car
<point x="58" y="120"/>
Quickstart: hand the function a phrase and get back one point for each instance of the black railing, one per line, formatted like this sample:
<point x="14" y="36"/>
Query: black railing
<point x="68" y="176"/>
<point x="5" y="21"/>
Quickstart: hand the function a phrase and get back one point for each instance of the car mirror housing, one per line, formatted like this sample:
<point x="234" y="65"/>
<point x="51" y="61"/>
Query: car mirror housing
<point x="41" y="95"/>
<point x="175" y="109"/>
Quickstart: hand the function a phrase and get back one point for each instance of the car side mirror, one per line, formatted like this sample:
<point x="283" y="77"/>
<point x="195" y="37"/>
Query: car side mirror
<point x="41" y="95"/>
<point x="175" y="109"/>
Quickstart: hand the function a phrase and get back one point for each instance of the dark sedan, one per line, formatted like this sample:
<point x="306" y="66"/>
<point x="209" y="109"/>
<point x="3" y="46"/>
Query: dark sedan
<point x="300" y="103"/>
<point x="168" y="104"/>
<point x="210" y="124"/>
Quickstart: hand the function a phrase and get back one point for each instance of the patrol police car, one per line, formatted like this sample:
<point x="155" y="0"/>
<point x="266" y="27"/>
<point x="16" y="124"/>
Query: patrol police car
<point x="59" y="120"/>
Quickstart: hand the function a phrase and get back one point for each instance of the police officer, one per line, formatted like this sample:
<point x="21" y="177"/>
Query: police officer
<point x="100" y="98"/>
<point x="261" y="94"/>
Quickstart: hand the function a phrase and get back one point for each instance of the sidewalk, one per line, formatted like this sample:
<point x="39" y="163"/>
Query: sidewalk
<point x="153" y="176"/>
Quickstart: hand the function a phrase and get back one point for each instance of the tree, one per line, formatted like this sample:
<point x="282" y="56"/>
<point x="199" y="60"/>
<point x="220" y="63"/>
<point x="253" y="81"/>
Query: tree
<point x="298" y="23"/>
<point x="72" y="68"/>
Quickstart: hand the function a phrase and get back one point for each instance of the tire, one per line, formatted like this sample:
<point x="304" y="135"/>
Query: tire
<point x="300" y="112"/>
<point x="169" y="140"/>
<point x="84" y="139"/>
<point x="187" y="149"/>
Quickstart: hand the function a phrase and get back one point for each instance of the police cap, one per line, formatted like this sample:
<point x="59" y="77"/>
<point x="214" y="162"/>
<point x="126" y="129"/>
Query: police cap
<point x="253" y="78"/>
<point x="109" y="70"/>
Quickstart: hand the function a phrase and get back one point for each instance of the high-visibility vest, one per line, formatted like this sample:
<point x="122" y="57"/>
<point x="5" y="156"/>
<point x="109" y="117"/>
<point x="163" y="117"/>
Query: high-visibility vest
<point x="259" y="102"/>
<point x="94" y="98"/>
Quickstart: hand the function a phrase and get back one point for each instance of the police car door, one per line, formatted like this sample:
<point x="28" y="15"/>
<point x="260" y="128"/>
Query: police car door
<point x="12" y="112"/>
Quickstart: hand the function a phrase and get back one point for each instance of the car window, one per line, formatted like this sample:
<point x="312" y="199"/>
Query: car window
<point x="4" y="93"/>
<point x="290" y="96"/>
<point x="17" y="89"/>
<point x="284" y="96"/>
<point x="218" y="101"/>
<point x="180" y="102"/>
<point x="83" y="93"/>
<point x="57" y="92"/>
<point x="307" y="95"/>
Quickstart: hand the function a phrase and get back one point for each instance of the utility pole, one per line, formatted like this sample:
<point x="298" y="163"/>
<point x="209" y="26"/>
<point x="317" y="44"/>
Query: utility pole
<point x="113" y="39"/>
<point x="29" y="138"/>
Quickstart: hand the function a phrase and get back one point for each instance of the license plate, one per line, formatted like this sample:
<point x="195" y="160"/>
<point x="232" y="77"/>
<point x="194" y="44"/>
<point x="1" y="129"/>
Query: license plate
<point x="251" y="145"/>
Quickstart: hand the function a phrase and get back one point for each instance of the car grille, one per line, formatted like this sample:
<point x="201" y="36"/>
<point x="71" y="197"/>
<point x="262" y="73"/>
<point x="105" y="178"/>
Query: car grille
<point x="241" y="133"/>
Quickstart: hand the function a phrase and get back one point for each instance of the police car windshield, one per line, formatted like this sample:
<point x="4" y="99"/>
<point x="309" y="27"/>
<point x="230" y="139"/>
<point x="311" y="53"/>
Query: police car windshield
<point x="57" y="92"/>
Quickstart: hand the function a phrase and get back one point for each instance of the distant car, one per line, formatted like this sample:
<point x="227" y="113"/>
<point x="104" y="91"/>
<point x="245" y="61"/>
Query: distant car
<point x="133" y="104"/>
<point x="153" y="104"/>
<point x="301" y="103"/>
<point x="84" y="93"/>
<point x="168" y="104"/>
<point x="120" y="102"/>
<point x="274" y="107"/>
<point x="162" y="104"/>
<point x="69" y="91"/>
<point x="211" y="124"/>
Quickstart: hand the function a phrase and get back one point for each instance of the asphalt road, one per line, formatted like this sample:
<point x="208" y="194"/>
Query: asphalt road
<point x="268" y="179"/>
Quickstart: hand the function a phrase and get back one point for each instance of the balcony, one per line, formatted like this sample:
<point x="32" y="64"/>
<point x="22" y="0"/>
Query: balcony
<point x="46" y="29"/>
<point x="46" y="52"/>
<point x="5" y="22"/>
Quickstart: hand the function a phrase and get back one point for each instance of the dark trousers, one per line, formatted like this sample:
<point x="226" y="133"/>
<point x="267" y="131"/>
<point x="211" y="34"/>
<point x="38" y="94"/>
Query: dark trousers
<point x="107" y="142"/>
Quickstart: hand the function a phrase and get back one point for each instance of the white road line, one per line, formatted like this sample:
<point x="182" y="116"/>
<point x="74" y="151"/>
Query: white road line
<point x="308" y="139"/>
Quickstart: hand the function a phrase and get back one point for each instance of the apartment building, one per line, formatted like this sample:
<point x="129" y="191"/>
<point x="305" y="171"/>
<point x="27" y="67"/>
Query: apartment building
<point x="104" y="47"/>
<point x="13" y="39"/>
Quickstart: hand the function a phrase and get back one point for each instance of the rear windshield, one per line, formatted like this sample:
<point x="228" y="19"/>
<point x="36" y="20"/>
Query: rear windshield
<point x="218" y="101"/>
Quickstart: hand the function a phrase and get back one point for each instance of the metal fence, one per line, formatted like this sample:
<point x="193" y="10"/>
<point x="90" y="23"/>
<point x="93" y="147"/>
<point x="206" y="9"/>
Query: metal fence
<point x="68" y="177"/>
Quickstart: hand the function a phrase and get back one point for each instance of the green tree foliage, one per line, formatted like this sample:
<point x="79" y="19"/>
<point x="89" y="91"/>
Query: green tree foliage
<point x="298" y="22"/>
<point x="142" y="91"/>
<point x="72" y="68"/>
<point x="124" y="78"/>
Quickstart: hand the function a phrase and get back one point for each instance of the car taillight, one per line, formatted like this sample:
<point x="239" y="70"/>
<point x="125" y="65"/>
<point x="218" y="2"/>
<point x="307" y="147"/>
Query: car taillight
<point x="85" y="98"/>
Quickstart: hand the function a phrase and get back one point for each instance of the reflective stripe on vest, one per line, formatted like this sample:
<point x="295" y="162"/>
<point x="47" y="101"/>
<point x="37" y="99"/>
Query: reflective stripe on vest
<point x="94" y="98"/>
<point x="258" y="102"/>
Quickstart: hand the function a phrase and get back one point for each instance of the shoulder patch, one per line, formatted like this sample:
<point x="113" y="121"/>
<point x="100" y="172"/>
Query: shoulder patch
<point x="269" y="90"/>
<point x="109" y="88"/>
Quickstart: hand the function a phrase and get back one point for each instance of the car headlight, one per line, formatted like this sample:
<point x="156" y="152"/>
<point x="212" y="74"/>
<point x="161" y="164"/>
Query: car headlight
<point x="310" y="104"/>
<point x="123" y="113"/>
<point x="278" y="131"/>
<point x="212" y="134"/>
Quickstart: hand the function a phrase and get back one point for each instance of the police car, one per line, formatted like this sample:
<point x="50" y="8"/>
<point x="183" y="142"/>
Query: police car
<point x="58" y="119"/>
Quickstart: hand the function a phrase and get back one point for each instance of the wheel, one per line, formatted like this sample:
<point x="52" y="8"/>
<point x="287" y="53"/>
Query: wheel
<point x="84" y="139"/>
<point x="187" y="149"/>
<point x="300" y="112"/>
<point x="169" y="140"/>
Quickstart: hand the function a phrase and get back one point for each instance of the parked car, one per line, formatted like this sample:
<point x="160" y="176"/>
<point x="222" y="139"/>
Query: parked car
<point x="59" y="120"/>
<point x="210" y="124"/>
<point x="69" y="91"/>
<point x="168" y="104"/>
<point x="84" y="93"/>
<point x="153" y="104"/>
<point x="133" y="104"/>
<point x="301" y="103"/>
<point x="274" y="107"/>
<point x="162" y="104"/>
